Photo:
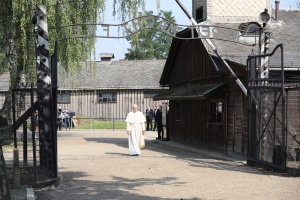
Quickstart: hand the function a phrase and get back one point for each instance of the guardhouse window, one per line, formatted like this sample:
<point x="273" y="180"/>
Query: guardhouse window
<point x="217" y="112"/>
<point x="107" y="98"/>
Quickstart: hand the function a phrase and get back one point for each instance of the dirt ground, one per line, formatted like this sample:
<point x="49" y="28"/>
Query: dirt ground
<point x="97" y="165"/>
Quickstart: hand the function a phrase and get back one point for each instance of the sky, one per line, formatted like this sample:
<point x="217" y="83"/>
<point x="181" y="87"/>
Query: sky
<point x="119" y="46"/>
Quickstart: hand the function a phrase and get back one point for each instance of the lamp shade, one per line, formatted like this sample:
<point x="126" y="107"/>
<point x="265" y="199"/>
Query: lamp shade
<point x="264" y="16"/>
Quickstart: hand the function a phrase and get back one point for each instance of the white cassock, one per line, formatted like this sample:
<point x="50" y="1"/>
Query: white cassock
<point x="135" y="124"/>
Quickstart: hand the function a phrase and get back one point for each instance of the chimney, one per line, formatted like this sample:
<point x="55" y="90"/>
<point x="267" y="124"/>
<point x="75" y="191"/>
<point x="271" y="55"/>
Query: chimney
<point x="106" y="56"/>
<point x="277" y="9"/>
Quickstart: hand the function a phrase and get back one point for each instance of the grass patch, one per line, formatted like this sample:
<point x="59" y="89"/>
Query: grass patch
<point x="10" y="147"/>
<point x="100" y="124"/>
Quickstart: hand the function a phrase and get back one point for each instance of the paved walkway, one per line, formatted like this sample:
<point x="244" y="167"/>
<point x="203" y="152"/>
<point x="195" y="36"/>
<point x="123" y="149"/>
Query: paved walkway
<point x="96" y="165"/>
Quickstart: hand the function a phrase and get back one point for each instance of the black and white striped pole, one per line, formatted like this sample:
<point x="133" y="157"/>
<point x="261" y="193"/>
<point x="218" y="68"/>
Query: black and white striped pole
<point x="264" y="41"/>
<point x="43" y="73"/>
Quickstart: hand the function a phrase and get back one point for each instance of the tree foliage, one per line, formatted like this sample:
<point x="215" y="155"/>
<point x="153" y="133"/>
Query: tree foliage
<point x="17" y="49"/>
<point x="150" y="43"/>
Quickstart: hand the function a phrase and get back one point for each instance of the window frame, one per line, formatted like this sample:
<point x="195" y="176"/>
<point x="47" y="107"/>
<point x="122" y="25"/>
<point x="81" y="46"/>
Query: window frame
<point x="111" y="97"/>
<point x="216" y="115"/>
<point x="254" y="33"/>
<point x="65" y="99"/>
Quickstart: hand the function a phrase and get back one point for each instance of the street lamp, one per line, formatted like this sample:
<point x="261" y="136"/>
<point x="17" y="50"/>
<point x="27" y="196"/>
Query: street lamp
<point x="264" y="17"/>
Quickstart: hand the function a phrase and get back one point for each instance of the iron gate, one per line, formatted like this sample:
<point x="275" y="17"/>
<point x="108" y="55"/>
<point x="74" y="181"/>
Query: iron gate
<point x="266" y="110"/>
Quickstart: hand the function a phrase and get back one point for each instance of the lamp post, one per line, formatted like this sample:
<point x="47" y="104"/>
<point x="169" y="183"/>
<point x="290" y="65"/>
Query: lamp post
<point x="264" y="74"/>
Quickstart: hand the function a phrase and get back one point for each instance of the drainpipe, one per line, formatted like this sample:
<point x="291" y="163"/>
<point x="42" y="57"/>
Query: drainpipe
<point x="214" y="48"/>
<point x="277" y="9"/>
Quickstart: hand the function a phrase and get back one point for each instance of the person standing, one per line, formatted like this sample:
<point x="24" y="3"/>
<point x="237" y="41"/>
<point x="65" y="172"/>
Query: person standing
<point x="154" y="116"/>
<point x="160" y="130"/>
<point x="149" y="118"/>
<point x="36" y="121"/>
<point x="135" y="129"/>
<point x="167" y="124"/>
<point x="60" y="119"/>
<point x="67" y="118"/>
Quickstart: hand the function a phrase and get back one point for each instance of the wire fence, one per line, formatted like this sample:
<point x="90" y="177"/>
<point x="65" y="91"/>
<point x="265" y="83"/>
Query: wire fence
<point x="85" y="123"/>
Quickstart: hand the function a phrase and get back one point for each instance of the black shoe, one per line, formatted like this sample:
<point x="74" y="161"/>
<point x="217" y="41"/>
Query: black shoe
<point x="158" y="138"/>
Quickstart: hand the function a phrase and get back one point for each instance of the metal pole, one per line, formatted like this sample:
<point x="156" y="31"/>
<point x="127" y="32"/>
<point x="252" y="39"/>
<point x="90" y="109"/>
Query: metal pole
<point x="14" y="119"/>
<point x="33" y="134"/>
<point x="25" y="142"/>
<point x="237" y="80"/>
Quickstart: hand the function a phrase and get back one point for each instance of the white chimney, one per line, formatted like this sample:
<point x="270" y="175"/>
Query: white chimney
<point x="106" y="57"/>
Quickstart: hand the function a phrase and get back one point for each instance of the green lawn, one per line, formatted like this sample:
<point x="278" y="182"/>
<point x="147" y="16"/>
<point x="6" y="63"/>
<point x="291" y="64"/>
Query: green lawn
<point x="99" y="124"/>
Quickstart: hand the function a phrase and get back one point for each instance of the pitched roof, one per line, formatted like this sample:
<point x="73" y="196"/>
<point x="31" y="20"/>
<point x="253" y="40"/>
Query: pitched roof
<point x="190" y="92"/>
<point x="284" y="31"/>
<point x="138" y="74"/>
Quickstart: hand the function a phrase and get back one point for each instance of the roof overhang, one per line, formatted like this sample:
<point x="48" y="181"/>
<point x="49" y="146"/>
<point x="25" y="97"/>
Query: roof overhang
<point x="189" y="93"/>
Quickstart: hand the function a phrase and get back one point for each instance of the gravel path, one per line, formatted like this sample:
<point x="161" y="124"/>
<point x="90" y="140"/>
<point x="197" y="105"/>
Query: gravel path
<point x="97" y="165"/>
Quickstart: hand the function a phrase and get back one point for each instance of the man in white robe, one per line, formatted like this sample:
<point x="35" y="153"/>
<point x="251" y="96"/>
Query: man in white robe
<point x="135" y="129"/>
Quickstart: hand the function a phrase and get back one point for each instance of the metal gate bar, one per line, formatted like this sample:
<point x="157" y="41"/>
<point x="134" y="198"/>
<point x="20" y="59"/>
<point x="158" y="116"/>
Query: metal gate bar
<point x="266" y="113"/>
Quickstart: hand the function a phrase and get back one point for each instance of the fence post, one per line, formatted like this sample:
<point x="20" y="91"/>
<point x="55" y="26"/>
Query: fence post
<point x="25" y="142"/>
<point x="91" y="123"/>
<point x="113" y="124"/>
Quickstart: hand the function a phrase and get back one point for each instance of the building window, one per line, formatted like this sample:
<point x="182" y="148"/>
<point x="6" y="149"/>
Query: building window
<point x="217" y="112"/>
<point x="107" y="98"/>
<point x="63" y="98"/>
<point x="200" y="15"/>
<point x="178" y="111"/>
<point x="249" y="29"/>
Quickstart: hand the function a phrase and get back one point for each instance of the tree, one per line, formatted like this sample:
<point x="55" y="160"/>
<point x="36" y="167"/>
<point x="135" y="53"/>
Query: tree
<point x="150" y="43"/>
<point x="17" y="50"/>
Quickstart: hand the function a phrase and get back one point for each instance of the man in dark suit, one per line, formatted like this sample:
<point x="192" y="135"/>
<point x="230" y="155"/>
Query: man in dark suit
<point x="160" y="130"/>
<point x="155" y="116"/>
<point x="149" y="117"/>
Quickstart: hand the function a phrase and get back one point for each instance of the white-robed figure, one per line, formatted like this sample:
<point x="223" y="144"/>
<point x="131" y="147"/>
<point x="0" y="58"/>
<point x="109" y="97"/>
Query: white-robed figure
<point x="135" y="129"/>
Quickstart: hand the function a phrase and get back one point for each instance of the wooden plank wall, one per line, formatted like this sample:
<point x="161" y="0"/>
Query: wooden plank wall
<point x="293" y="117"/>
<point x="237" y="120"/>
<point x="194" y="127"/>
<point x="85" y="103"/>
<point x="192" y="62"/>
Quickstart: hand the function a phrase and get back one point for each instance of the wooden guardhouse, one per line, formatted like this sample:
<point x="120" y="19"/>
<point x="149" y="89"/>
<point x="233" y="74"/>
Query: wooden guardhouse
<point x="207" y="106"/>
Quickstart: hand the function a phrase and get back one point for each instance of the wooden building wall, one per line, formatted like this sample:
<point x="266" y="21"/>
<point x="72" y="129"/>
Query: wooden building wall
<point x="237" y="118"/>
<point x="191" y="65"/>
<point x="85" y="103"/>
<point x="194" y="126"/>
<point x="293" y="118"/>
